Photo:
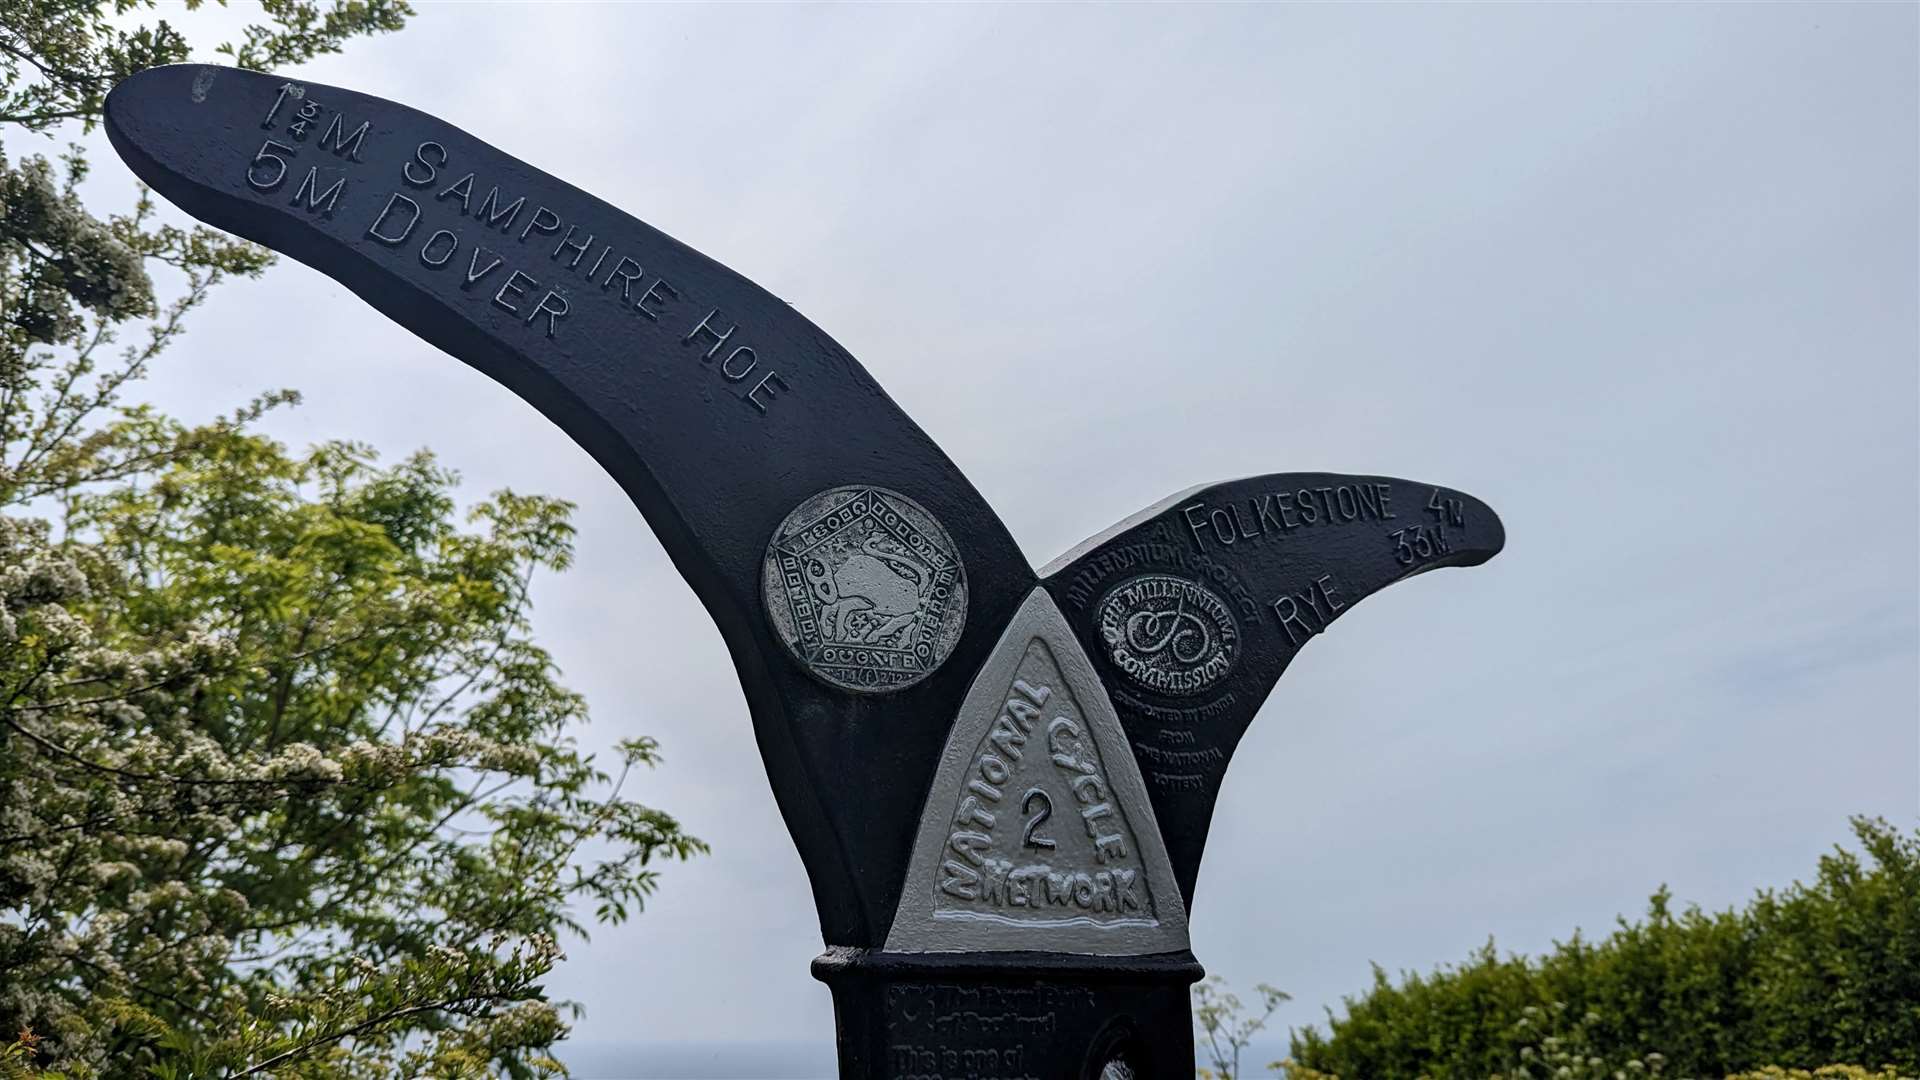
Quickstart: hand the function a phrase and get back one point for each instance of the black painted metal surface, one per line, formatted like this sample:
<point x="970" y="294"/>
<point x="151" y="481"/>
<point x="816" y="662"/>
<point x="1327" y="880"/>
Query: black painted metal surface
<point x="1285" y="555"/>
<point x="626" y="371"/>
<point x="1012" y="1015"/>
<point x="858" y="579"/>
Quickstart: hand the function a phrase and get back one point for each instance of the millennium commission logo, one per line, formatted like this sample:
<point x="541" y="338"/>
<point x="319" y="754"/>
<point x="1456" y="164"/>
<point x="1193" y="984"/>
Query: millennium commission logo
<point x="1168" y="634"/>
<point x="866" y="588"/>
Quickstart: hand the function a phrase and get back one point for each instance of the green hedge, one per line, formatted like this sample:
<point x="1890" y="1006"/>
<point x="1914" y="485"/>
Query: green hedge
<point x="1803" y="977"/>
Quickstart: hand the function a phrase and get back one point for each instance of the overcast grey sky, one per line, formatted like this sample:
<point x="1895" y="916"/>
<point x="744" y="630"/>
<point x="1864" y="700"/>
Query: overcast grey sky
<point x="1644" y="278"/>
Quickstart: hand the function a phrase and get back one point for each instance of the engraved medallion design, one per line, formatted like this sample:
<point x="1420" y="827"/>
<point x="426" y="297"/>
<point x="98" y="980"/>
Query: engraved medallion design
<point x="1038" y="833"/>
<point x="865" y="588"/>
<point x="1168" y="634"/>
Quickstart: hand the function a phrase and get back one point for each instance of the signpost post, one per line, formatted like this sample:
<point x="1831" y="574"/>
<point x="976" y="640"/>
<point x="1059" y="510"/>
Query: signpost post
<point x="1000" y="781"/>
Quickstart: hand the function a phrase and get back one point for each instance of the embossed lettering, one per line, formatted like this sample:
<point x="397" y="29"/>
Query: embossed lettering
<point x="1223" y="529"/>
<point x="344" y="145"/>
<point x="1289" y="613"/>
<point x="733" y="369"/>
<point x="1267" y="516"/>
<point x="971" y="845"/>
<point x="512" y="283"/>
<point x="1308" y="611"/>
<point x="1329" y="593"/>
<point x="765" y="385"/>
<point x="659" y="292"/>
<point x="626" y="279"/>
<point x="309" y="192"/>
<point x="1032" y="838"/>
<point x="430" y="169"/>
<point x="972" y="813"/>
<point x="1349" y="506"/>
<point x="958" y="880"/>
<point x="985" y="789"/>
<point x="1039" y="834"/>
<point x="462" y="187"/>
<point x="1020" y="711"/>
<point x="1063" y="739"/>
<point x="1303" y="501"/>
<point x="579" y="247"/>
<point x="260" y="183"/>
<point x="1007" y="738"/>
<point x="475" y="271"/>
<point x="1168" y="634"/>
<point x="706" y="327"/>
<point x="533" y="223"/>
<point x="553" y="305"/>
<point x="373" y="230"/>
<point x="1370" y="499"/>
<point x="501" y="217"/>
<point x="453" y="242"/>
<point x="1447" y="511"/>
<point x="1196" y="524"/>
<point x="278" y="100"/>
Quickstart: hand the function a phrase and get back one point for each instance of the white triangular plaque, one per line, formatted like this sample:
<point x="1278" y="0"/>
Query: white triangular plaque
<point x="1037" y="833"/>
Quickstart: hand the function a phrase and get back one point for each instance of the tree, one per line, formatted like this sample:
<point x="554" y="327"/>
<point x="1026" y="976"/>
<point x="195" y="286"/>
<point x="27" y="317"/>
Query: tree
<point x="1805" y="978"/>
<point x="286" y="788"/>
<point x="1229" y="1026"/>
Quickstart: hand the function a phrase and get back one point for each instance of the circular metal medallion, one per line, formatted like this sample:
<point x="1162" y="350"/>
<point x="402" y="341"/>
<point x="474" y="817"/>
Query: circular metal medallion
<point x="866" y="588"/>
<point x="1168" y="634"/>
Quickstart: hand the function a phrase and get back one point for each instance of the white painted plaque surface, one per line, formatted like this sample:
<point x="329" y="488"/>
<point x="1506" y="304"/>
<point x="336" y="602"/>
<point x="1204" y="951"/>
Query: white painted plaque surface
<point x="1037" y="832"/>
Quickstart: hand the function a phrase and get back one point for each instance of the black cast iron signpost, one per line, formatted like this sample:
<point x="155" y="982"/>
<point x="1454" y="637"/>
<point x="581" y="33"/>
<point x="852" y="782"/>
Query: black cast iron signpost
<point x="1000" y="781"/>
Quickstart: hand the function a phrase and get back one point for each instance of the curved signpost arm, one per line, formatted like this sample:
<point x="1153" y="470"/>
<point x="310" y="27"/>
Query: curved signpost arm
<point x="1194" y="607"/>
<point x="716" y="406"/>
<point x="1000" y="782"/>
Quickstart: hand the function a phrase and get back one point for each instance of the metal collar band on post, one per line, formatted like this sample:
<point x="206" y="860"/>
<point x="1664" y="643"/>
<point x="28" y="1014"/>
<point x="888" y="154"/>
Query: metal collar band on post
<point x="1005" y="890"/>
